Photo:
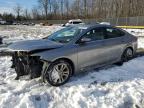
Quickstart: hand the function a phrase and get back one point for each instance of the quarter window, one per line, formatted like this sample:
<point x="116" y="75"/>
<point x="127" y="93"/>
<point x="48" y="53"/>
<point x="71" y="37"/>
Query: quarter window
<point x="113" y="33"/>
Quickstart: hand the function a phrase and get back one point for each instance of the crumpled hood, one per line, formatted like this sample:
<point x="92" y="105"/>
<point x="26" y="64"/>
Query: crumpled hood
<point x="32" y="45"/>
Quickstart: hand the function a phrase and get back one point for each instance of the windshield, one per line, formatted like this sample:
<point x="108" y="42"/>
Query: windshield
<point x="65" y="35"/>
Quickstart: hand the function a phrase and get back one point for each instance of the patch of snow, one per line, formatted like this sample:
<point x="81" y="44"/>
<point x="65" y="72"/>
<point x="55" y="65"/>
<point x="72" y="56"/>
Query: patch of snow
<point x="115" y="87"/>
<point x="136" y="32"/>
<point x="18" y="32"/>
<point x="141" y="42"/>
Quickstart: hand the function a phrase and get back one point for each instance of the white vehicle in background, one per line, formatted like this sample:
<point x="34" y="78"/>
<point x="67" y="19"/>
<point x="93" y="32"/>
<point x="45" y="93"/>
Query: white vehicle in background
<point x="105" y="23"/>
<point x="74" y="22"/>
<point x="2" y="22"/>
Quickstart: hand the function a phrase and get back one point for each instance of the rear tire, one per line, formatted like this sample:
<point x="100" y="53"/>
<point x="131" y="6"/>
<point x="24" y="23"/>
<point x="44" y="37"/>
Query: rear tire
<point x="58" y="73"/>
<point x="126" y="56"/>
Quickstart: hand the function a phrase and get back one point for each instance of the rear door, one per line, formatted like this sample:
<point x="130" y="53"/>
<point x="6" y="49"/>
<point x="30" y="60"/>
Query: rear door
<point x="113" y="43"/>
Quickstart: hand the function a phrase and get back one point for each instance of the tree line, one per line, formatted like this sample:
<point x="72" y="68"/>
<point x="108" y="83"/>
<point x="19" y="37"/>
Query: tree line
<point x="68" y="9"/>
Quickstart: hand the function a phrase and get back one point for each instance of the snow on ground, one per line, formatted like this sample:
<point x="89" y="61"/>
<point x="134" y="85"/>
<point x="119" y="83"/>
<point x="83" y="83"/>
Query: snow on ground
<point x="141" y="42"/>
<point x="136" y="32"/>
<point x="17" y="33"/>
<point x="108" y="87"/>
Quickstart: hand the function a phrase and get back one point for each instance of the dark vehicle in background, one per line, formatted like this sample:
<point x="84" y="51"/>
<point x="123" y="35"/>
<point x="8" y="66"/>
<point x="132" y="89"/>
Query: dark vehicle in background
<point x="8" y="22"/>
<point x="1" y="40"/>
<point x="71" y="50"/>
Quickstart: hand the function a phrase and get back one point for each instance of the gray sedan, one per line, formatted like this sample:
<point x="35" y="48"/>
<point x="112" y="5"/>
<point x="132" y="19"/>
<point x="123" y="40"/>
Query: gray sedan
<point x="71" y="50"/>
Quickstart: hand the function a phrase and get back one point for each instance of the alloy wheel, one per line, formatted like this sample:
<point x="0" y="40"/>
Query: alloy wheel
<point x="60" y="73"/>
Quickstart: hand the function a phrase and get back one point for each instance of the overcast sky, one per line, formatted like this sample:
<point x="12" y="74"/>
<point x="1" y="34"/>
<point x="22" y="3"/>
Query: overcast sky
<point x="7" y="5"/>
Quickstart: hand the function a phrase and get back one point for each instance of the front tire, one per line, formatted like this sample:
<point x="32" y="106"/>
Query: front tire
<point x="58" y="73"/>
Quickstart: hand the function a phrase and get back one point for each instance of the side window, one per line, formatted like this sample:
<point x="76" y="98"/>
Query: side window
<point x="95" y="34"/>
<point x="113" y="33"/>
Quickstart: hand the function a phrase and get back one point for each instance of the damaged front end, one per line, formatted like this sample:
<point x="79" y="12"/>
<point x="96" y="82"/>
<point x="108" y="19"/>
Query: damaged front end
<point x="25" y="64"/>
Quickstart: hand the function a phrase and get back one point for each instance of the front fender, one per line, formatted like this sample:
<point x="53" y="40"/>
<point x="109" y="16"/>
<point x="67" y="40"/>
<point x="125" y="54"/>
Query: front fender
<point x="52" y="55"/>
<point x="60" y="53"/>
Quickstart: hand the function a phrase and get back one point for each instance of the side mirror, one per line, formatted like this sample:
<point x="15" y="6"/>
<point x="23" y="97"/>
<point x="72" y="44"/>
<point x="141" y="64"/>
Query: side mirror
<point x="84" y="40"/>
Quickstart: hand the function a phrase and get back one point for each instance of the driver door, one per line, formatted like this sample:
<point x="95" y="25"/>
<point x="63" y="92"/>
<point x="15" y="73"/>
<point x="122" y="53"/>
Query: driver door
<point x="91" y="52"/>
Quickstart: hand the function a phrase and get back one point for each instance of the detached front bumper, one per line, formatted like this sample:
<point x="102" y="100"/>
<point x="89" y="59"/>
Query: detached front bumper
<point x="45" y="69"/>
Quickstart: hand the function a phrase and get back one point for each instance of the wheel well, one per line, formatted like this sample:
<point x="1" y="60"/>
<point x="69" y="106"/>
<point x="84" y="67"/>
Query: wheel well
<point x="130" y="48"/>
<point x="69" y="61"/>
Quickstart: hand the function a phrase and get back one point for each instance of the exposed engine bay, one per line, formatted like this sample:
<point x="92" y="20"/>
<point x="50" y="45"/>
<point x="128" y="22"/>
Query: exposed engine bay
<point x="24" y="64"/>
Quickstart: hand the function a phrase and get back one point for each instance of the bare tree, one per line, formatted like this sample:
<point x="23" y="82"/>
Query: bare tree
<point x="98" y="9"/>
<point x="44" y="4"/>
<point x="55" y="8"/>
<point x="26" y="14"/>
<point x="18" y="10"/>
<point x="85" y="7"/>
<point x="67" y="6"/>
<point x="50" y="5"/>
<point x="62" y="7"/>
<point x="35" y="13"/>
